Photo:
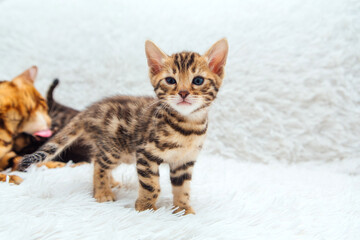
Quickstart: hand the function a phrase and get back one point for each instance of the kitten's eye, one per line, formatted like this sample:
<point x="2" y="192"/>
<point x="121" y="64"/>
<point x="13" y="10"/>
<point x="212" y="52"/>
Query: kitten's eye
<point x="170" y="80"/>
<point x="198" y="80"/>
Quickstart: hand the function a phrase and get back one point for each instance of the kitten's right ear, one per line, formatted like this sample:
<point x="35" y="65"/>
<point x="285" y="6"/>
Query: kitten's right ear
<point x="28" y="76"/>
<point x="155" y="57"/>
<point x="216" y="56"/>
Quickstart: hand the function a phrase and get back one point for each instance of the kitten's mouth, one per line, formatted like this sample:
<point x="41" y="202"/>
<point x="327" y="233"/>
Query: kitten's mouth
<point x="183" y="103"/>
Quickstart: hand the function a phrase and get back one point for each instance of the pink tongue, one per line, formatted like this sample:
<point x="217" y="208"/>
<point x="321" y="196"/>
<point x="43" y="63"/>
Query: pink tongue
<point x="44" y="134"/>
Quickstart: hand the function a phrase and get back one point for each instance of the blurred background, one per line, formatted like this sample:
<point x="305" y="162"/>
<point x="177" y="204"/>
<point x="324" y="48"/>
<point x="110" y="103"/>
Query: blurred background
<point x="292" y="89"/>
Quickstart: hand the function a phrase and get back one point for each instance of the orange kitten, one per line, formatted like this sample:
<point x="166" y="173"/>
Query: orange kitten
<point x="22" y="109"/>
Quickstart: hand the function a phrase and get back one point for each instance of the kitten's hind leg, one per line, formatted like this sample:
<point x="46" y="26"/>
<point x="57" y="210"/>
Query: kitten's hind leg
<point x="102" y="183"/>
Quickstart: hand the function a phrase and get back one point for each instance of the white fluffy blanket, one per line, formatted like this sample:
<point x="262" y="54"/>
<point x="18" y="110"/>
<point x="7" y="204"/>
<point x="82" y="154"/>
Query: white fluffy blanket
<point x="282" y="159"/>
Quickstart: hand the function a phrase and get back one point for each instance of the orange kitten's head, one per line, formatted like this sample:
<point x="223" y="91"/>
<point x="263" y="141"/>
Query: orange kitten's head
<point x="187" y="81"/>
<point x="22" y="108"/>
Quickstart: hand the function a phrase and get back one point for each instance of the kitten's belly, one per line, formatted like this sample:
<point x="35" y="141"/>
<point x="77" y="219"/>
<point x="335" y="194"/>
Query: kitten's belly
<point x="128" y="158"/>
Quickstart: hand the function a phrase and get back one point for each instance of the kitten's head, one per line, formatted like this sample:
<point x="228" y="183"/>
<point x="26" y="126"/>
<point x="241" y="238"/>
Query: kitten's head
<point x="187" y="81"/>
<point x="22" y="107"/>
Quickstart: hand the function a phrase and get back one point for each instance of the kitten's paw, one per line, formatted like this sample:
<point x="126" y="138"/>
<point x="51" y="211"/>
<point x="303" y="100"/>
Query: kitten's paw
<point x="15" y="179"/>
<point x="51" y="164"/>
<point x="12" y="178"/>
<point x="144" y="205"/>
<point x="188" y="210"/>
<point x="104" y="196"/>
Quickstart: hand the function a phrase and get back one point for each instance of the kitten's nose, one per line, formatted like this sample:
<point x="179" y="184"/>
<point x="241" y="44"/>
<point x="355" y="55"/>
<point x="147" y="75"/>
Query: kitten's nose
<point x="184" y="94"/>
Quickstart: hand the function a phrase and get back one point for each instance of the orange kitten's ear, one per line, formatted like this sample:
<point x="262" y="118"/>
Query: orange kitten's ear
<point x="27" y="76"/>
<point x="155" y="57"/>
<point x="216" y="56"/>
<point x="32" y="73"/>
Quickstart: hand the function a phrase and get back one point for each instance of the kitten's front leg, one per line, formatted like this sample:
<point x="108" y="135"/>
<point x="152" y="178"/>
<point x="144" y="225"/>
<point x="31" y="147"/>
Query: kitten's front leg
<point x="147" y="166"/>
<point x="180" y="177"/>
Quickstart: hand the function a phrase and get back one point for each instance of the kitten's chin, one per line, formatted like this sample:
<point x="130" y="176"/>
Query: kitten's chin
<point x="185" y="109"/>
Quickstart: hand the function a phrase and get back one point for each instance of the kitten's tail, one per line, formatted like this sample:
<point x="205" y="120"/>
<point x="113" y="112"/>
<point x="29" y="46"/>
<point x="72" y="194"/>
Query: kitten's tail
<point x="49" y="95"/>
<point x="63" y="139"/>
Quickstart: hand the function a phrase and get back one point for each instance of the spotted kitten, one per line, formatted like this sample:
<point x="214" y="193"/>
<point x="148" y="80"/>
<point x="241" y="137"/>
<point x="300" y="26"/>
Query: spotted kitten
<point x="169" y="129"/>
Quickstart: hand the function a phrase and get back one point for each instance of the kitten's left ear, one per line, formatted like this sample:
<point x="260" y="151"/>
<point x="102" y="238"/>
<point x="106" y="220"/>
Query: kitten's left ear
<point x="155" y="57"/>
<point x="27" y="76"/>
<point x="216" y="57"/>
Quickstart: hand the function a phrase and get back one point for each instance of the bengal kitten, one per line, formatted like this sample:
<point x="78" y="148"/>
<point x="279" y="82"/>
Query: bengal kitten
<point x="22" y="109"/>
<point x="168" y="129"/>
